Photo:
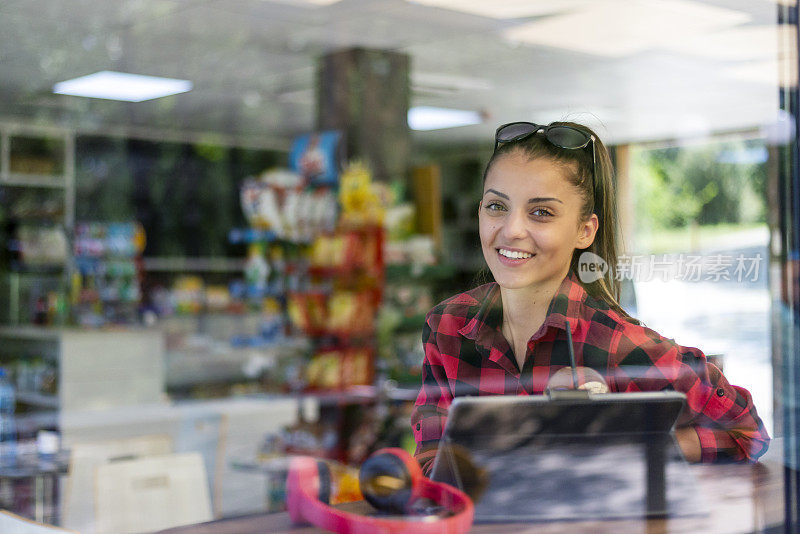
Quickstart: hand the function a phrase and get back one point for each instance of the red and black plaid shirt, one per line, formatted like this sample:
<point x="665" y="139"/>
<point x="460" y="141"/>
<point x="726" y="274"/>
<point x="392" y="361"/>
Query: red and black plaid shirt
<point x="467" y="354"/>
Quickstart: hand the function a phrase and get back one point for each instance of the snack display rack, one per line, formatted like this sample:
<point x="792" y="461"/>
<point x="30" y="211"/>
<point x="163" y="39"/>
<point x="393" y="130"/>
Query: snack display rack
<point x="322" y="266"/>
<point x="338" y="310"/>
<point x="37" y="198"/>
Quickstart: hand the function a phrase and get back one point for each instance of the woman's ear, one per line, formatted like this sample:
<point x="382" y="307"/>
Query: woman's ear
<point x="586" y="232"/>
<point x="480" y="205"/>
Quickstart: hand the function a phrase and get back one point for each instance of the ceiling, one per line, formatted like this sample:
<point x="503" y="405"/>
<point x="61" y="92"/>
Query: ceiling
<point x="635" y="69"/>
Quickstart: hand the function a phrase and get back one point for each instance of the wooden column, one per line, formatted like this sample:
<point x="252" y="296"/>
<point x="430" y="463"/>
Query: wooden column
<point x="365" y="94"/>
<point x="427" y="184"/>
<point x="627" y="214"/>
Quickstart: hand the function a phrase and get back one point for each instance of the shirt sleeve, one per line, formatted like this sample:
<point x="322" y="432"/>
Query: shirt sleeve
<point x="729" y="427"/>
<point x="723" y="415"/>
<point x="433" y="401"/>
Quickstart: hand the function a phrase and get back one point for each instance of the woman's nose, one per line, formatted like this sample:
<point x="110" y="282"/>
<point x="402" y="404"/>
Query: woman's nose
<point x="514" y="226"/>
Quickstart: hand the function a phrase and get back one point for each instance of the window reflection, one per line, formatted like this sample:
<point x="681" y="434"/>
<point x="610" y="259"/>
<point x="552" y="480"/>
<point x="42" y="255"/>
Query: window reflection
<point x="699" y="98"/>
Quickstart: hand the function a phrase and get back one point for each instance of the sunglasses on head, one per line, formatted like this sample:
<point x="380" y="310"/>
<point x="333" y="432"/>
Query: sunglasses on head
<point x="559" y="135"/>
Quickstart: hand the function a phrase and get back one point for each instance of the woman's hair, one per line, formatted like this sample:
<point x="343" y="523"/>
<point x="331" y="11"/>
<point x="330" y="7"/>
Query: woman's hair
<point x="598" y="191"/>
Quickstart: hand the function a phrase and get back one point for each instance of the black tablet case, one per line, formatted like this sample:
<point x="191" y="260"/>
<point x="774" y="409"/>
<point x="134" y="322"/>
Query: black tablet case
<point x="606" y="456"/>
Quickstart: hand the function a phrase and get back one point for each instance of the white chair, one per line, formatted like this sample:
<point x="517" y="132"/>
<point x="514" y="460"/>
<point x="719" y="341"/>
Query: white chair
<point x="77" y="505"/>
<point x="14" y="524"/>
<point x="205" y="433"/>
<point x="153" y="493"/>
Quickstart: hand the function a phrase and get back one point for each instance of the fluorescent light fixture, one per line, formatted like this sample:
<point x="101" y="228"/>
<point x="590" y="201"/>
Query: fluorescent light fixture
<point x="780" y="72"/>
<point x="422" y="118"/>
<point x="122" y="86"/>
<point x="306" y="3"/>
<point x="613" y="29"/>
<point x="737" y="44"/>
<point x="508" y="9"/>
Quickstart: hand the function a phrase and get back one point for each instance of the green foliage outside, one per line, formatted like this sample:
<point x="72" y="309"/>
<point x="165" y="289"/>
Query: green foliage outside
<point x="678" y="191"/>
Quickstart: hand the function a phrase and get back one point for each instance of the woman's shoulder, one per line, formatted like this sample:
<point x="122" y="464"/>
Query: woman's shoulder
<point x="626" y="335"/>
<point x="598" y="312"/>
<point x="472" y="297"/>
<point x="462" y="304"/>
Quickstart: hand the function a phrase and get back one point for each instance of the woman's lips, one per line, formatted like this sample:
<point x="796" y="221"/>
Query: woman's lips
<point x="505" y="260"/>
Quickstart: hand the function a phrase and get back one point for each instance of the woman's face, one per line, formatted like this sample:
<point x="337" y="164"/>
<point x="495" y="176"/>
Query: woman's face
<point x="530" y="222"/>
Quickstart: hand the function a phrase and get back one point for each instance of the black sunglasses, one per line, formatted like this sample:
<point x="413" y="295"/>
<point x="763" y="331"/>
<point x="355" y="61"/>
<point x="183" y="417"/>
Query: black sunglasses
<point x="559" y="135"/>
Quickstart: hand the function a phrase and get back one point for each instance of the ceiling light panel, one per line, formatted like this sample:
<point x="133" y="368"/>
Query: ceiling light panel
<point x="423" y="118"/>
<point x="508" y="9"/>
<point x="744" y="43"/>
<point x="307" y="3"/>
<point x="613" y="29"/>
<point x="111" y="85"/>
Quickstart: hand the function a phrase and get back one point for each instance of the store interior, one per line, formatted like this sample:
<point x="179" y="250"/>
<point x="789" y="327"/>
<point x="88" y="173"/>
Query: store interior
<point x="208" y="281"/>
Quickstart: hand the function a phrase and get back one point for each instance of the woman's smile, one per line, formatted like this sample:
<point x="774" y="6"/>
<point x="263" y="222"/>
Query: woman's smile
<point x="512" y="257"/>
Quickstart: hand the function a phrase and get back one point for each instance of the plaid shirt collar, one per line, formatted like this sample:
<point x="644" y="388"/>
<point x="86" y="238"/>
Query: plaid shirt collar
<point x="485" y="326"/>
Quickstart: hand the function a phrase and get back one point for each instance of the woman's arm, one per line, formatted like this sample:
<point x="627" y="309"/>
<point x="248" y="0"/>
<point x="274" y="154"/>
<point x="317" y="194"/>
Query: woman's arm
<point x="689" y="443"/>
<point x="718" y="415"/>
<point x="433" y="401"/>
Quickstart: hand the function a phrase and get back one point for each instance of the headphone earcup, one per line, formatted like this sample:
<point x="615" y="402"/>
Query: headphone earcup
<point x="388" y="480"/>
<point x="324" y="478"/>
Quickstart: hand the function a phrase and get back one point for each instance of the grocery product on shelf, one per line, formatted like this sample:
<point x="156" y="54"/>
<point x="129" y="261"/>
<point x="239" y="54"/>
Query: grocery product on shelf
<point x="106" y="285"/>
<point x="287" y="206"/>
<point x="316" y="157"/>
<point x="363" y="202"/>
<point x="8" y="427"/>
<point x="42" y="246"/>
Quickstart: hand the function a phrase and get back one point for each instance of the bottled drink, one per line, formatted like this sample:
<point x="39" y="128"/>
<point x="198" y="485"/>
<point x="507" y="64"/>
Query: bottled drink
<point x="8" y="427"/>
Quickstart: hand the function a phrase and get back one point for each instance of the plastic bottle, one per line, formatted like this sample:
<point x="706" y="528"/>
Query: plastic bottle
<point x="8" y="426"/>
<point x="256" y="272"/>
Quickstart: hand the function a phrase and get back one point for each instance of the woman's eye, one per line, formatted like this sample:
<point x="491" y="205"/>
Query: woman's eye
<point x="495" y="206"/>
<point x="541" y="212"/>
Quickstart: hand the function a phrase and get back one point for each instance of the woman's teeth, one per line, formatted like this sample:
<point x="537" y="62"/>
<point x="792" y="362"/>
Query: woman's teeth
<point x="514" y="254"/>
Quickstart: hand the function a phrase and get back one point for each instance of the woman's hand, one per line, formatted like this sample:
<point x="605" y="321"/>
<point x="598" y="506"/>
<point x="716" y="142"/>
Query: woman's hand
<point x="689" y="442"/>
<point x="588" y="379"/>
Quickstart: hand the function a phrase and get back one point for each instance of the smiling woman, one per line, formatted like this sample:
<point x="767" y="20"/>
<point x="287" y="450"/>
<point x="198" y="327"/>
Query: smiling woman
<point x="530" y="223"/>
<point x="548" y="198"/>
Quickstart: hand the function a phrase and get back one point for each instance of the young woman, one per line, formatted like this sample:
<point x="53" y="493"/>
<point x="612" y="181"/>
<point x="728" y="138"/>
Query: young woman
<point x="548" y="197"/>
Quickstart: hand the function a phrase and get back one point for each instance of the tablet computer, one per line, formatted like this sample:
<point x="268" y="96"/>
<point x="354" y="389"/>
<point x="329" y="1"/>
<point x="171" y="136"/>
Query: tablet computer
<point x="603" y="456"/>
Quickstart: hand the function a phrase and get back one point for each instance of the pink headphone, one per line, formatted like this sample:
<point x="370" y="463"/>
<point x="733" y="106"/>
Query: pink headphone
<point x="390" y="481"/>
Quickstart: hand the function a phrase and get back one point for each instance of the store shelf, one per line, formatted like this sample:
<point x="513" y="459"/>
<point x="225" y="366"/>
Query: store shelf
<point x="252" y="235"/>
<point x="32" y="180"/>
<point x="40" y="400"/>
<point x="35" y="333"/>
<point x="217" y="363"/>
<point x="406" y="271"/>
<point x="38" y="270"/>
<point x="360" y="395"/>
<point x="193" y="264"/>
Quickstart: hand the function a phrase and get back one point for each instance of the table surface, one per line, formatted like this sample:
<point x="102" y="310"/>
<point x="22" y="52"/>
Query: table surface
<point x="27" y="464"/>
<point x="742" y="499"/>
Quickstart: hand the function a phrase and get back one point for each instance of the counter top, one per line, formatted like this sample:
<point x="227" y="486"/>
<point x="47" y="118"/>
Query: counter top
<point x="741" y="499"/>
